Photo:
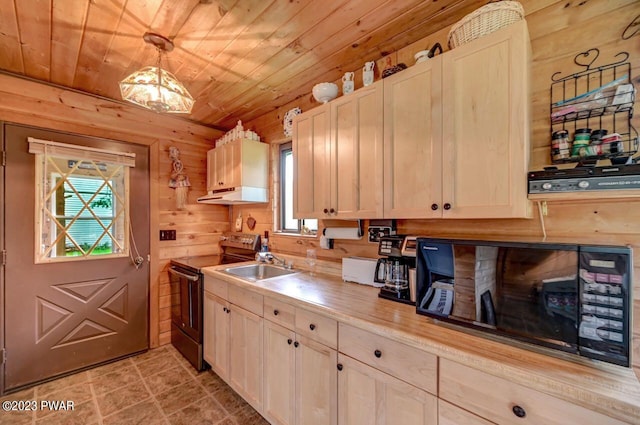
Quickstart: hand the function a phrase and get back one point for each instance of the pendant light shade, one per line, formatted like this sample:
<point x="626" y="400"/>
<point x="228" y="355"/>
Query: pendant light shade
<point x="155" y="88"/>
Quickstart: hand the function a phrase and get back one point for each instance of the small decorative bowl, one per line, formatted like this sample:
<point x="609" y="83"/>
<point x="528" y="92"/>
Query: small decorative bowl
<point x="324" y="92"/>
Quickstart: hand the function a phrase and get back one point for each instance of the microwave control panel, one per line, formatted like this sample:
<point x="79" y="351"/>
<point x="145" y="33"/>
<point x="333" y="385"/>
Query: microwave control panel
<point x="604" y="294"/>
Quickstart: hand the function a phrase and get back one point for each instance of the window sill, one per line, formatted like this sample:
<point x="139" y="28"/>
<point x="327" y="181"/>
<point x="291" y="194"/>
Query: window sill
<point x="297" y="235"/>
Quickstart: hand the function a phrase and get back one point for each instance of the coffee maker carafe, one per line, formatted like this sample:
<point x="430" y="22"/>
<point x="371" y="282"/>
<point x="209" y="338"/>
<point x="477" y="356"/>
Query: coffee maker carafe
<point x="393" y="270"/>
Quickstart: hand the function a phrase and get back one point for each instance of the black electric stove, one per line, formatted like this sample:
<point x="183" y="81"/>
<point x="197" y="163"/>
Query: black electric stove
<point x="187" y="292"/>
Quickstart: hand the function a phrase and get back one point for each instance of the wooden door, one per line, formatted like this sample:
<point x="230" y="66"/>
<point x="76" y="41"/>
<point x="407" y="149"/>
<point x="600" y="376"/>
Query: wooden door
<point x="356" y="155"/>
<point x="212" y="181"/>
<point x="62" y="314"/>
<point x="316" y="383"/>
<point x="279" y="374"/>
<point x="233" y="164"/>
<point x="413" y="141"/>
<point x="245" y="355"/>
<point x="368" y="396"/>
<point x="216" y="334"/>
<point x="311" y="157"/>
<point x="486" y="126"/>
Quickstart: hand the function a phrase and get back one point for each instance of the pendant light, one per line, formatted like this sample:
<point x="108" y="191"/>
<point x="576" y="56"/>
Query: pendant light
<point x="155" y="88"/>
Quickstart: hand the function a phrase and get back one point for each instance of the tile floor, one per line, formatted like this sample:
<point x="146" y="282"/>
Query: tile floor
<point x="157" y="387"/>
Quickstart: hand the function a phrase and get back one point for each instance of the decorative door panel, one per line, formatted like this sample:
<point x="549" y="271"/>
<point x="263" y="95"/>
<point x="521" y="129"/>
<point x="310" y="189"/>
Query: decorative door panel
<point x="61" y="316"/>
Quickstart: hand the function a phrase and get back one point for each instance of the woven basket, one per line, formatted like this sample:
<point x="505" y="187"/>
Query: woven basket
<point x="485" y="20"/>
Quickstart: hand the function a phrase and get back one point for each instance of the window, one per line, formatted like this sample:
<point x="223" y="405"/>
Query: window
<point x="289" y="224"/>
<point x="82" y="204"/>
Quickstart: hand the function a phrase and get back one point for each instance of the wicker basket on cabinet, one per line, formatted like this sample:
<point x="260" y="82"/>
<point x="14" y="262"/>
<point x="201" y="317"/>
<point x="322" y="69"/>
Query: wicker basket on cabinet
<point x="485" y="20"/>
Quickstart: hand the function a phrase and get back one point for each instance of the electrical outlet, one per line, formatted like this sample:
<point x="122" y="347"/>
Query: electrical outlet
<point x="167" y="235"/>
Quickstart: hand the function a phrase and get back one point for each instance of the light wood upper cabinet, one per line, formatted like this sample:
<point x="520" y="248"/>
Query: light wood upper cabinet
<point x="241" y="162"/>
<point x="338" y="157"/>
<point x="356" y="150"/>
<point x="413" y="141"/>
<point x="368" y="396"/>
<point x="311" y="163"/>
<point x="486" y="130"/>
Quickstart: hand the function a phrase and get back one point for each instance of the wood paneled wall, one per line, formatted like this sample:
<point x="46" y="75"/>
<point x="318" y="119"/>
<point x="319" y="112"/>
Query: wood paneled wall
<point x="559" y="30"/>
<point x="197" y="227"/>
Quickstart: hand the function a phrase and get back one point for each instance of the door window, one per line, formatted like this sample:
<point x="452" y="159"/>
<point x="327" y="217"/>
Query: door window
<point x="82" y="202"/>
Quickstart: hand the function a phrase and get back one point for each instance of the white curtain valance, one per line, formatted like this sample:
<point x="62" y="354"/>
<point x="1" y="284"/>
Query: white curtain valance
<point x="65" y="150"/>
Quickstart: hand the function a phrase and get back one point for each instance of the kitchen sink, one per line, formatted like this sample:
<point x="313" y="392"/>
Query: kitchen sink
<point x="258" y="271"/>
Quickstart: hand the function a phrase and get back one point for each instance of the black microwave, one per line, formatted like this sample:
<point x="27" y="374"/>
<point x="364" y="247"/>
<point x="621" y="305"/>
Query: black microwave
<point x="573" y="298"/>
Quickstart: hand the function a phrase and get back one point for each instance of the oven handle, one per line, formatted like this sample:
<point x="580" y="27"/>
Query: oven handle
<point x="192" y="278"/>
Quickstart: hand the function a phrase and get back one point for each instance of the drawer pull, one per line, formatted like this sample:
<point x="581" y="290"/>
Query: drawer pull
<point x="276" y="312"/>
<point x="295" y="344"/>
<point x="312" y="326"/>
<point x="519" y="411"/>
<point x="289" y="341"/>
<point x="447" y="206"/>
<point x="434" y="207"/>
<point x="377" y="353"/>
<point x="224" y="309"/>
<point x="339" y="366"/>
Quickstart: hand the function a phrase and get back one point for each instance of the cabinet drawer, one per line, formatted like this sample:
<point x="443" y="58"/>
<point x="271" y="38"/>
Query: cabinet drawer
<point x="249" y="300"/>
<point x="317" y="327"/>
<point x="216" y="287"/>
<point x="407" y="363"/>
<point x="280" y="312"/>
<point x="448" y="414"/>
<point x="505" y="402"/>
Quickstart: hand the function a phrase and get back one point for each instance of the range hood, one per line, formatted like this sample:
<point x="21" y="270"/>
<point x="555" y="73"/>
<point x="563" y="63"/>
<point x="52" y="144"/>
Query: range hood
<point x="235" y="195"/>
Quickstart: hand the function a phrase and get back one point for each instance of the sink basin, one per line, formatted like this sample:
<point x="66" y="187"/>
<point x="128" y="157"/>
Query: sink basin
<point x="258" y="271"/>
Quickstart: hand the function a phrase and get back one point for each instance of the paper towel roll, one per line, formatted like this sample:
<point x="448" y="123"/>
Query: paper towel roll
<point x="342" y="233"/>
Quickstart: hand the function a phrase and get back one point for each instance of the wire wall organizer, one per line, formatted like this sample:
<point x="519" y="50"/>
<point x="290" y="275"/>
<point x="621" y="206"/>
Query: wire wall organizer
<point x="599" y="99"/>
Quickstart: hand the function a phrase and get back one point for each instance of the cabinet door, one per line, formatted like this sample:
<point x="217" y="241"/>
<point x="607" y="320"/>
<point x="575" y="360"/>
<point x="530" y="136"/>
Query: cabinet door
<point x="316" y="383"/>
<point x="245" y="355"/>
<point x="311" y="156"/>
<point x="413" y="141"/>
<point x="216" y="334"/>
<point x="232" y="164"/>
<point x="486" y="126"/>
<point x="368" y="396"/>
<point x="356" y="156"/>
<point x="279" y="374"/>
<point x="212" y="181"/>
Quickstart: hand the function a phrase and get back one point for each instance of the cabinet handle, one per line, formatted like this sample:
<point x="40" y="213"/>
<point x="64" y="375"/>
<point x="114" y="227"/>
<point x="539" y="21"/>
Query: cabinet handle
<point x="289" y="341"/>
<point x="312" y="326"/>
<point x="228" y="311"/>
<point x="339" y="366"/>
<point x="377" y="353"/>
<point x="434" y="206"/>
<point x="519" y="411"/>
<point x="295" y="344"/>
<point x="325" y="211"/>
<point x="224" y="309"/>
<point x="331" y="211"/>
<point x="447" y="206"/>
<point x="276" y="312"/>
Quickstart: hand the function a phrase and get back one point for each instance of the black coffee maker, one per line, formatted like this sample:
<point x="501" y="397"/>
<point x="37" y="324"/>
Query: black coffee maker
<point x="393" y="269"/>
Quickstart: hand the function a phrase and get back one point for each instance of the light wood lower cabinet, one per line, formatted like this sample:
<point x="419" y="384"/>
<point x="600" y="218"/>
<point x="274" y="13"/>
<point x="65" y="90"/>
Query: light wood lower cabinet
<point x="216" y="334"/>
<point x="505" y="402"/>
<point x="245" y="355"/>
<point x="367" y="396"/>
<point x="233" y="338"/>
<point x="299" y="379"/>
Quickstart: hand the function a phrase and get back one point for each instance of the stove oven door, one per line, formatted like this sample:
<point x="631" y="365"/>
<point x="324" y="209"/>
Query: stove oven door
<point x="186" y="302"/>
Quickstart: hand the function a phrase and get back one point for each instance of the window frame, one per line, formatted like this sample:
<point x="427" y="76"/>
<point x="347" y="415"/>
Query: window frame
<point x="284" y="149"/>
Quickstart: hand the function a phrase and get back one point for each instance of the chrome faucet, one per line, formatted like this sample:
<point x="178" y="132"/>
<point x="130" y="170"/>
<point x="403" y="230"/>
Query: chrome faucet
<point x="268" y="257"/>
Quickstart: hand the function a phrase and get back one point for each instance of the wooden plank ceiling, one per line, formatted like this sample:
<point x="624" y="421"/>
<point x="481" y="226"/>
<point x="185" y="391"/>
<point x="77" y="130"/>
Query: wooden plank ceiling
<point x="238" y="58"/>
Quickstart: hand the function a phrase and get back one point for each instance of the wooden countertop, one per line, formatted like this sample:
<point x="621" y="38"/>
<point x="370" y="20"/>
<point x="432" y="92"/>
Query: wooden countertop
<point x="608" y="389"/>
